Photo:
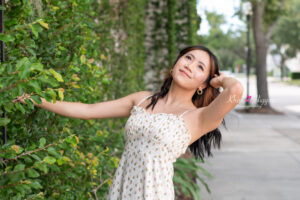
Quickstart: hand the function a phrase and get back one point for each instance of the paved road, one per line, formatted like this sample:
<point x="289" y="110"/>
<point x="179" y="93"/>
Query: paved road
<point x="260" y="154"/>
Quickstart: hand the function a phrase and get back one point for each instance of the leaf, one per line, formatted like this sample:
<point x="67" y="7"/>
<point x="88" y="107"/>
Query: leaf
<point x="6" y="38"/>
<point x="62" y="48"/>
<point x="4" y="121"/>
<point x="21" y="62"/>
<point x="37" y="99"/>
<point x="46" y="79"/>
<point x="37" y="66"/>
<point x="53" y="152"/>
<point x="82" y="59"/>
<point x="65" y="158"/>
<point x="51" y="92"/>
<point x="35" y="85"/>
<point x="59" y="162"/>
<point x="17" y="148"/>
<point x="56" y="75"/>
<point x="75" y="77"/>
<point x="105" y="81"/>
<point x="36" y="185"/>
<point x="36" y="157"/>
<point x="41" y="166"/>
<point x="75" y="86"/>
<point x="43" y="24"/>
<point x="77" y="139"/>
<point x="23" y="66"/>
<point x="20" y="107"/>
<point x="61" y="93"/>
<point x="32" y="173"/>
<point x="19" y="167"/>
<point x="103" y="57"/>
<point x="27" y="160"/>
<point x="29" y="103"/>
<point x="72" y="140"/>
<point x="42" y="142"/>
<point x="34" y="31"/>
<point x="49" y="159"/>
<point x="54" y="8"/>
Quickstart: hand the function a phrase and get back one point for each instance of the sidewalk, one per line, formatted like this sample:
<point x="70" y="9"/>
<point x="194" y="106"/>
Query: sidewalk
<point x="259" y="157"/>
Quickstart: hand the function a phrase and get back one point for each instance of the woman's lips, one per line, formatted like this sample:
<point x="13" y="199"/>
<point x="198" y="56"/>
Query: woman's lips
<point x="184" y="73"/>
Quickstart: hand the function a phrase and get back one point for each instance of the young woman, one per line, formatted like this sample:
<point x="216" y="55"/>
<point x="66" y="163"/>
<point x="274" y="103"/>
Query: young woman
<point x="186" y="112"/>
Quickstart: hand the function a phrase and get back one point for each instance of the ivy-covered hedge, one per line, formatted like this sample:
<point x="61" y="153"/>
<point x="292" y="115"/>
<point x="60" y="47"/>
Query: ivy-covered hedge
<point x="64" y="50"/>
<point x="80" y="51"/>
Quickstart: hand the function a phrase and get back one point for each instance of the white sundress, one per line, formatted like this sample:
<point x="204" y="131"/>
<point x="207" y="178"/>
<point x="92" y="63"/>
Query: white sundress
<point x="153" y="142"/>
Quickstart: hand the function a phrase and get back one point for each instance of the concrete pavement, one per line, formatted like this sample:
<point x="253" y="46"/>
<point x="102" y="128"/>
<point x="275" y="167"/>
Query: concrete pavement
<point x="259" y="157"/>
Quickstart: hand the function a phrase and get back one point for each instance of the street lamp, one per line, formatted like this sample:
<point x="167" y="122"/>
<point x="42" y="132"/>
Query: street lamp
<point x="247" y="10"/>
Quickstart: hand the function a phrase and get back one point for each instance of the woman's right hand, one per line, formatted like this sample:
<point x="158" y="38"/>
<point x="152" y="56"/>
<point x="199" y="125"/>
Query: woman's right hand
<point x="21" y="98"/>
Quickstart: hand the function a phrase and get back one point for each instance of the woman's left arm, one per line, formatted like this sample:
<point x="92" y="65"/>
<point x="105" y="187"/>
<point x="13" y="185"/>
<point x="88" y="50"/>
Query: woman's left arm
<point x="212" y="115"/>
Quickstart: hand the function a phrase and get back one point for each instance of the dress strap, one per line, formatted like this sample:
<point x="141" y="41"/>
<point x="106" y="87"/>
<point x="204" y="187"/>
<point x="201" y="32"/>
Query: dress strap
<point x="144" y="99"/>
<point x="184" y="113"/>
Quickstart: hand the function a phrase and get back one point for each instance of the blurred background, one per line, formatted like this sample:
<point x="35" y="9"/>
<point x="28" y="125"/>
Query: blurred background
<point x="98" y="50"/>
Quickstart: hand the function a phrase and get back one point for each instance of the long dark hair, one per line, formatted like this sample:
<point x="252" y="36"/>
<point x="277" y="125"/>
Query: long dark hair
<point x="203" y="144"/>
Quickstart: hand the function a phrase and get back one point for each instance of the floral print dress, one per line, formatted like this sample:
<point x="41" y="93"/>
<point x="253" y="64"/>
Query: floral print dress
<point x="153" y="142"/>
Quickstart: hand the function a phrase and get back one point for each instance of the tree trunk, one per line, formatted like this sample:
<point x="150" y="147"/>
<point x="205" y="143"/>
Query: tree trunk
<point x="282" y="67"/>
<point x="261" y="46"/>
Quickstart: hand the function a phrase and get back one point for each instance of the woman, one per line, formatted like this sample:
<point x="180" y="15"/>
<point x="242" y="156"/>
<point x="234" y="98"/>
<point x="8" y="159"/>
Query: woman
<point x="186" y="112"/>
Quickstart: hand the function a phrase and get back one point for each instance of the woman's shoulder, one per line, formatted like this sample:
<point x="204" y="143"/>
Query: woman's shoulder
<point x="138" y="96"/>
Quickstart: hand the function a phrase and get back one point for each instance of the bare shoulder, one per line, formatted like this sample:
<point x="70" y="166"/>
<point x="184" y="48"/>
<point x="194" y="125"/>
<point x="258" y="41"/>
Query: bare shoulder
<point x="138" y="96"/>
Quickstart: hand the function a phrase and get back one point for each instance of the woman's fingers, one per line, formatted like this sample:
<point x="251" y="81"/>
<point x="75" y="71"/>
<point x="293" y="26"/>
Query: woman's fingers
<point x="22" y="98"/>
<point x="15" y="100"/>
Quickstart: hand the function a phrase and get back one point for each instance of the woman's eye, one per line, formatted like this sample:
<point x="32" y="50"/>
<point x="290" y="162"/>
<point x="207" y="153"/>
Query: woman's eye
<point x="201" y="67"/>
<point x="189" y="57"/>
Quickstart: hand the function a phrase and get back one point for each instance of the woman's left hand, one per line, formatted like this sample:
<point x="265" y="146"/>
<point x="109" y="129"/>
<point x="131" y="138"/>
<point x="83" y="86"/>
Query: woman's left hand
<point x="216" y="82"/>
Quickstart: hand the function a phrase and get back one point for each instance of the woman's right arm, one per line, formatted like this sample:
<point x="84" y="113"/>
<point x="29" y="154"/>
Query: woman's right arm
<point x="109" y="109"/>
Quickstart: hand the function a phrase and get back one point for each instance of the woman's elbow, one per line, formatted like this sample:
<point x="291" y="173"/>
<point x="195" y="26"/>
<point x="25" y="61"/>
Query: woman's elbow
<point x="237" y="89"/>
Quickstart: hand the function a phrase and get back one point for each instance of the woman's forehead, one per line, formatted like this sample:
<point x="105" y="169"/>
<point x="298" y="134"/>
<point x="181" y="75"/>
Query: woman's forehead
<point x="200" y="55"/>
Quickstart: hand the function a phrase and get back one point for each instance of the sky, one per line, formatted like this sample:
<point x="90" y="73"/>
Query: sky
<point x="225" y="7"/>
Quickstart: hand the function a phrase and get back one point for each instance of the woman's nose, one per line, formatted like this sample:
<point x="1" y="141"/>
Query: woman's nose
<point x="187" y="68"/>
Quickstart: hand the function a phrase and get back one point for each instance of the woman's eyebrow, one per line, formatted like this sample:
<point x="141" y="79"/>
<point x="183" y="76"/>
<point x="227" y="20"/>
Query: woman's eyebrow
<point x="199" y="60"/>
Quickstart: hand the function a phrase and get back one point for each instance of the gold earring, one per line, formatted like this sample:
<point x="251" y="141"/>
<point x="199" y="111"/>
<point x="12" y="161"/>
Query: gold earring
<point x="199" y="92"/>
<point x="171" y="71"/>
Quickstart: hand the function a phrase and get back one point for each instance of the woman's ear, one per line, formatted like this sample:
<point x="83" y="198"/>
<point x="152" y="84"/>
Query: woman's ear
<point x="202" y="86"/>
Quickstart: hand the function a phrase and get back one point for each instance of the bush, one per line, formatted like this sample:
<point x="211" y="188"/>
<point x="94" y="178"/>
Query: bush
<point x="295" y="75"/>
<point x="58" y="50"/>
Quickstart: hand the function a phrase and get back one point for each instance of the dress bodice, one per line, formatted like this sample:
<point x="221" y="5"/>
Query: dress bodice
<point x="153" y="142"/>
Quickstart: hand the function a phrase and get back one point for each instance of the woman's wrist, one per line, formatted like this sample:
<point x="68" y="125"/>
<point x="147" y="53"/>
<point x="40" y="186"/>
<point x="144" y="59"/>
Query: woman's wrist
<point x="227" y="82"/>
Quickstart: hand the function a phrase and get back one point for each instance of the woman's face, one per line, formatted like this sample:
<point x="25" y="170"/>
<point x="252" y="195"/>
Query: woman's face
<point x="192" y="69"/>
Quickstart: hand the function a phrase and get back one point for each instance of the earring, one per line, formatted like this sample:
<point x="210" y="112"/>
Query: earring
<point x="171" y="71"/>
<point x="199" y="92"/>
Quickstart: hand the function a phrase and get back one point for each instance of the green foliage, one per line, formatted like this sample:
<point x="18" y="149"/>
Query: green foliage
<point x="274" y="9"/>
<point x="186" y="171"/>
<point x="230" y="47"/>
<point x="295" y="75"/>
<point x="193" y="22"/>
<point x="68" y="50"/>
<point x="171" y="30"/>
<point x="63" y="50"/>
<point x="287" y="33"/>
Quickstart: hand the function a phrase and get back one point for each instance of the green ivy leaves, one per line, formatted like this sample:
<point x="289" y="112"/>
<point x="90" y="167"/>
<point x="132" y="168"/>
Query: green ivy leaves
<point x="57" y="75"/>
<point x="61" y="53"/>
<point x="6" y="38"/>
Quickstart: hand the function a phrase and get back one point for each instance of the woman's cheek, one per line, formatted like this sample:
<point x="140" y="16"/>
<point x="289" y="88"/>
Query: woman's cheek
<point x="181" y="62"/>
<point x="199" y="76"/>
